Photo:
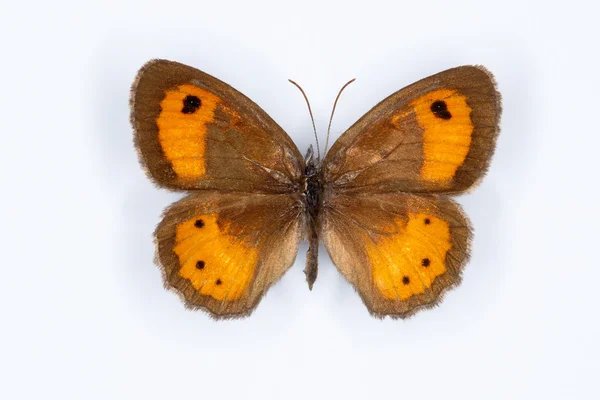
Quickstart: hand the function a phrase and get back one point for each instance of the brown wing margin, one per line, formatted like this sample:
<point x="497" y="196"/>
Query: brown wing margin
<point x="403" y="145"/>
<point x="221" y="252"/>
<point x="194" y="131"/>
<point x="401" y="252"/>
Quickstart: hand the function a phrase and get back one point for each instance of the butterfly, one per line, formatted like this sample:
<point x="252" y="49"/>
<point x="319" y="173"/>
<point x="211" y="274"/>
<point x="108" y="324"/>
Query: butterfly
<point x="378" y="199"/>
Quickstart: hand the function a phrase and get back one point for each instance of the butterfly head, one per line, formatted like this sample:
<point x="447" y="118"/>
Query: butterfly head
<point x="310" y="159"/>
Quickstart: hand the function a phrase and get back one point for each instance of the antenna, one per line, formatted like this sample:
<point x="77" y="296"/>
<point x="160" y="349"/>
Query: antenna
<point x="333" y="111"/>
<point x="311" y="116"/>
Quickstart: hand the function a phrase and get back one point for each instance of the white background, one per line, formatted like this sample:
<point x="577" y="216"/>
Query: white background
<point x="83" y="311"/>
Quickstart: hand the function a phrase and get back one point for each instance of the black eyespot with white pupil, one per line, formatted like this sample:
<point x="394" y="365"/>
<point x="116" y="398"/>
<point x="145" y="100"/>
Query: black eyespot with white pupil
<point x="191" y="104"/>
<point x="439" y="108"/>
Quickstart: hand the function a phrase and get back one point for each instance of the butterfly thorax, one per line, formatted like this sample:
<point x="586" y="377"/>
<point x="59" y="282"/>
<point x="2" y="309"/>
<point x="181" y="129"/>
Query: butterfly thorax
<point x="313" y="190"/>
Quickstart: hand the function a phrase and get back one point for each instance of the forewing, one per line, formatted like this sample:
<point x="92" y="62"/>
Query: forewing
<point x="437" y="135"/>
<point x="221" y="252"/>
<point x="194" y="131"/>
<point x="401" y="252"/>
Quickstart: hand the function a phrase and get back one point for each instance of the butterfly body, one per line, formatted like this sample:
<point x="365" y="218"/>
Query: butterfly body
<point x="378" y="199"/>
<point x="313" y="200"/>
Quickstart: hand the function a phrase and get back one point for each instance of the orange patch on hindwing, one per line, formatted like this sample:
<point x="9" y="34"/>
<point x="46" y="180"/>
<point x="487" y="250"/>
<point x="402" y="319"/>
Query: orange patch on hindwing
<point x="407" y="263"/>
<point x="445" y="118"/>
<point x="185" y="113"/>
<point x="216" y="263"/>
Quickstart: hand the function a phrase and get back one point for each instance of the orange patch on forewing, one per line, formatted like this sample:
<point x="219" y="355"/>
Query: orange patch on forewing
<point x="407" y="263"/>
<point x="216" y="264"/>
<point x="183" y="136"/>
<point x="445" y="141"/>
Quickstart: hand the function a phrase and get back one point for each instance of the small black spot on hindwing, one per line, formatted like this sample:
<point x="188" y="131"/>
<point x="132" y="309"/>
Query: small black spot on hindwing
<point x="199" y="223"/>
<point x="440" y="109"/>
<point x="191" y="104"/>
<point x="200" y="264"/>
<point x="406" y="280"/>
<point x="427" y="221"/>
<point x="425" y="262"/>
<point x="218" y="281"/>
